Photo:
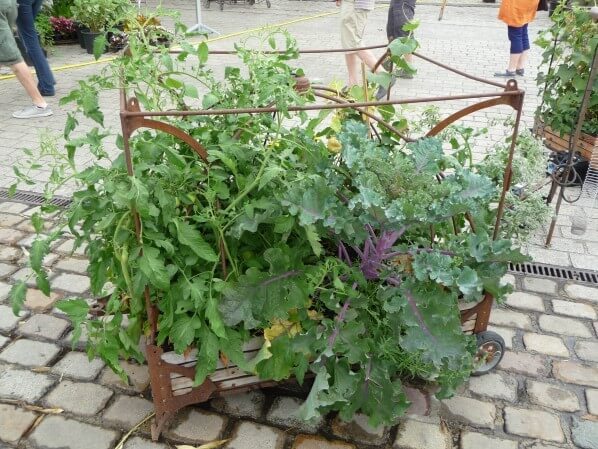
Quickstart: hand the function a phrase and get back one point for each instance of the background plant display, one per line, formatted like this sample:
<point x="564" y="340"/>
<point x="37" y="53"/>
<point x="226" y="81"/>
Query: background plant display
<point x="562" y="88"/>
<point x="349" y="256"/>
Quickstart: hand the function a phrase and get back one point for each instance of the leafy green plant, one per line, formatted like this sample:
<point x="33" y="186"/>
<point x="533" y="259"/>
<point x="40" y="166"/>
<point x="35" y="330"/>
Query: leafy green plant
<point x="570" y="43"/>
<point x="99" y="15"/>
<point x="62" y="8"/>
<point x="350" y="262"/>
<point x="44" y="29"/>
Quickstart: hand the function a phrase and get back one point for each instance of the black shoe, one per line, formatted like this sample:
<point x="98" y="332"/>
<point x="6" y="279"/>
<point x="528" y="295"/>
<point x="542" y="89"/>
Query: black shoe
<point x="47" y="94"/>
<point x="382" y="91"/>
<point x="506" y="74"/>
<point x="520" y="72"/>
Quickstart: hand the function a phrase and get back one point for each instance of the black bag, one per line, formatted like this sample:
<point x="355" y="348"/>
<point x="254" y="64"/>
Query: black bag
<point x="543" y="5"/>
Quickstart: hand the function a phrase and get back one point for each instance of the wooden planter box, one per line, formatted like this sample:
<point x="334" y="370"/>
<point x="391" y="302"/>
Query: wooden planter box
<point x="585" y="145"/>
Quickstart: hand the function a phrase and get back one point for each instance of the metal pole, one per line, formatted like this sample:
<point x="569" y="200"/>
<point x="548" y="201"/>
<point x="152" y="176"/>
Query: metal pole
<point x="199" y="26"/>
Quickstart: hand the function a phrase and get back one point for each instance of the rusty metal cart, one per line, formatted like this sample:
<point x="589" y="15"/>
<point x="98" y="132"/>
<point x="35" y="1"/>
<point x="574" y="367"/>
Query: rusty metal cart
<point x="172" y="375"/>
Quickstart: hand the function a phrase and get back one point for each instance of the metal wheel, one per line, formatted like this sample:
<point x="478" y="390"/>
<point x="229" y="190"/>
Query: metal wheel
<point x="491" y="349"/>
<point x="268" y="4"/>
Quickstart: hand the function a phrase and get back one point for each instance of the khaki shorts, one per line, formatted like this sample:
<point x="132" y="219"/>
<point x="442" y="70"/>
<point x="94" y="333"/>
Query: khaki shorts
<point x="352" y="24"/>
<point x="9" y="52"/>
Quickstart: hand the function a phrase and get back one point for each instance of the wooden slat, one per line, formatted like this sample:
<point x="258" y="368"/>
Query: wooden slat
<point x="251" y="347"/>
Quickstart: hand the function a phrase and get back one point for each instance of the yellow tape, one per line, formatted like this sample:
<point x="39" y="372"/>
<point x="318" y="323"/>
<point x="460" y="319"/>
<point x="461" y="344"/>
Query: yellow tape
<point x="214" y="39"/>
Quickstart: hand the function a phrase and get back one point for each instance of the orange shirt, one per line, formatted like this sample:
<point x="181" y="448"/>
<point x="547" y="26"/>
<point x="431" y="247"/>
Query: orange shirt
<point x="517" y="13"/>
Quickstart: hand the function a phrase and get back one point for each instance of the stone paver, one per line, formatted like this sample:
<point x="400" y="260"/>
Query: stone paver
<point x="592" y="400"/>
<point x="137" y="374"/>
<point x="127" y="411"/>
<point x="533" y="424"/>
<point x="509" y="318"/>
<point x="471" y="411"/>
<point x="249" y="435"/>
<point x="522" y="300"/>
<point x="495" y="385"/>
<point x="417" y="435"/>
<point x="284" y="412"/>
<point x="311" y="442"/>
<point x="585" y="433"/>
<point x="358" y="429"/>
<point x="472" y="440"/>
<point x="9" y="254"/>
<point x="506" y="333"/>
<point x="73" y="283"/>
<point x="539" y="285"/>
<point x="3" y="340"/>
<point x="8" y="320"/>
<point x="35" y="300"/>
<point x="582" y="292"/>
<point x="197" y="426"/>
<point x="30" y="353"/>
<point x="573" y="309"/>
<point x="23" y="385"/>
<point x="44" y="326"/>
<point x="57" y="432"/>
<point x="552" y="396"/>
<point x="72" y="264"/>
<point x="564" y="326"/>
<point x="14" y="422"/>
<point x="524" y="363"/>
<point x="545" y="344"/>
<point x="4" y="290"/>
<point x="243" y="405"/>
<point x="78" y="366"/>
<point x="587" y="350"/>
<point x="576" y="373"/>
<point x="142" y="443"/>
<point x="79" y="398"/>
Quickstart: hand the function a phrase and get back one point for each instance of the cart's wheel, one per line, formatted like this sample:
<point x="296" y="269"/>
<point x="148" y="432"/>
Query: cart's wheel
<point x="491" y="348"/>
<point x="268" y="4"/>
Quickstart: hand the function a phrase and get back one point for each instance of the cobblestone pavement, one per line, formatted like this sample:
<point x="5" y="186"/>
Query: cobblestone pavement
<point x="543" y="396"/>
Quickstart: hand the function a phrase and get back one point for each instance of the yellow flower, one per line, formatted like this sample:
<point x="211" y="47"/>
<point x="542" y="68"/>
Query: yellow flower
<point x="333" y="145"/>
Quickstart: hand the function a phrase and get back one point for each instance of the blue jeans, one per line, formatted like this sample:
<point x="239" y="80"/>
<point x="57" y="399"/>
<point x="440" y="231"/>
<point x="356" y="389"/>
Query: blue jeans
<point x="28" y="10"/>
<point x="519" y="39"/>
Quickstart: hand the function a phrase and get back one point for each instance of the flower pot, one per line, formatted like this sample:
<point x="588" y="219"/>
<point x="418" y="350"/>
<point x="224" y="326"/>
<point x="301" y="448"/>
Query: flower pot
<point x="89" y="37"/>
<point x="80" y="38"/>
<point x="585" y="145"/>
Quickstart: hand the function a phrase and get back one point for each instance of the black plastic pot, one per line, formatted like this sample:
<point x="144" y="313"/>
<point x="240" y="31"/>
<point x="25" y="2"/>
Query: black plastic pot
<point x="80" y="38"/>
<point x="89" y="37"/>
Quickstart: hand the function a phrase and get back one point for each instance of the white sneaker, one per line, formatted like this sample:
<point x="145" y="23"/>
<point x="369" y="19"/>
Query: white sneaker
<point x="33" y="111"/>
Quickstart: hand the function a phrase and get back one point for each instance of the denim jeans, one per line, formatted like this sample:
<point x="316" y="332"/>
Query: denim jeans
<point x="28" y="10"/>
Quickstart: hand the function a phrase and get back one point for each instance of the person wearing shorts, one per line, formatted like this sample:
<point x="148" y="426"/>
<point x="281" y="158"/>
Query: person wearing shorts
<point x="517" y="14"/>
<point x="354" y="15"/>
<point x="400" y="13"/>
<point x="10" y="56"/>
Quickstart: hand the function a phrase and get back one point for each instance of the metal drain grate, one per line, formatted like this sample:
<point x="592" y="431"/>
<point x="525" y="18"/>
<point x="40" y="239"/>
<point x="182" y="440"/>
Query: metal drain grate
<point x="553" y="271"/>
<point x="32" y="198"/>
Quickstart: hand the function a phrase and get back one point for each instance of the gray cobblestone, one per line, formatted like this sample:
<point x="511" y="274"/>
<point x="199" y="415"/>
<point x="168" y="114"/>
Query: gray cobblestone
<point x="506" y="333"/>
<point x="284" y="412"/>
<point x="7" y="269"/>
<point x="137" y="374"/>
<point x="314" y="442"/>
<point x="509" y="318"/>
<point x="45" y="326"/>
<point x="23" y="385"/>
<point x="11" y="207"/>
<point x="592" y="401"/>
<point x="566" y="326"/>
<point x="545" y="344"/>
<point x="9" y="220"/>
<point x="35" y="300"/>
<point x="248" y="435"/>
<point x="197" y="426"/>
<point x="56" y="432"/>
<point x="8" y="320"/>
<point x="533" y="424"/>
<point x="30" y="353"/>
<point x="528" y="301"/>
<point x="14" y="422"/>
<point x="3" y="341"/>
<point x="359" y="430"/>
<point x="67" y="248"/>
<point x="585" y="433"/>
<point x="243" y="405"/>
<point x="126" y="411"/>
<point x="73" y="264"/>
<point x="539" y="285"/>
<point x="9" y="253"/>
<point x="582" y="292"/>
<point x="472" y="440"/>
<point x="573" y="309"/>
<point x="79" y="398"/>
<point x="141" y="443"/>
<point x="418" y="435"/>
<point x="495" y="385"/>
<point x="552" y="396"/>
<point x="576" y="373"/>
<point x="521" y="362"/>
<point x="4" y="290"/>
<point x="72" y="283"/>
<point x="587" y="350"/>
<point x="470" y="411"/>
<point x="78" y="366"/>
<point x="584" y="261"/>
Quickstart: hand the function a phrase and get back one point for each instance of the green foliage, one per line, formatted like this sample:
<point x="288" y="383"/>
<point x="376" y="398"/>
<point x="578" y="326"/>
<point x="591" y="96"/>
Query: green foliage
<point x="99" y="15"/>
<point x="62" y="8"/>
<point x="562" y="87"/>
<point x="247" y="243"/>
<point x="44" y="29"/>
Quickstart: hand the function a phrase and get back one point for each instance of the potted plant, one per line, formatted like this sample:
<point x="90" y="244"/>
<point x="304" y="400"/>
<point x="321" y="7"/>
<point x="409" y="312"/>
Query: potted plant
<point x="96" y="16"/>
<point x="349" y="270"/>
<point x="569" y="46"/>
<point x="65" y="30"/>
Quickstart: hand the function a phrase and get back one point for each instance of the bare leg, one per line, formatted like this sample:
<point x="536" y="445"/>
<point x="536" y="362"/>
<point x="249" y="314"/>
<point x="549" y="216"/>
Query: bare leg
<point x="352" y="60"/>
<point x="522" y="60"/>
<point x="25" y="77"/>
<point x="368" y="58"/>
<point x="514" y="61"/>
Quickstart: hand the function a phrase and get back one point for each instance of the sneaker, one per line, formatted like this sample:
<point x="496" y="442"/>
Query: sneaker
<point x="33" y="111"/>
<point x="505" y="74"/>
<point x="382" y="91"/>
<point x="520" y="72"/>
<point x="47" y="94"/>
<point x="405" y="75"/>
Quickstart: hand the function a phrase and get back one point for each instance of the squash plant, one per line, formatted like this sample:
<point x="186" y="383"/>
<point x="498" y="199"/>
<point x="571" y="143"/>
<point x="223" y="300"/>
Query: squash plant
<point x="343" y="257"/>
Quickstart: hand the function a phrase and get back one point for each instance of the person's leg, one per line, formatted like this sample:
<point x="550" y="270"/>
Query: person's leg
<point x="30" y="38"/>
<point x="524" y="54"/>
<point x="516" y="38"/>
<point x="25" y="77"/>
<point x="354" y="69"/>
